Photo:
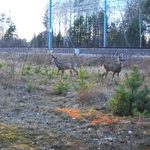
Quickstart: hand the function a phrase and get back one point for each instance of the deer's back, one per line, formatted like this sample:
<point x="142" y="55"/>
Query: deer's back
<point x="114" y="67"/>
<point x="66" y="65"/>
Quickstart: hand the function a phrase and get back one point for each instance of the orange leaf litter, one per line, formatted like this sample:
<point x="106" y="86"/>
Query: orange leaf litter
<point x="100" y="118"/>
<point x="72" y="112"/>
<point x="104" y="119"/>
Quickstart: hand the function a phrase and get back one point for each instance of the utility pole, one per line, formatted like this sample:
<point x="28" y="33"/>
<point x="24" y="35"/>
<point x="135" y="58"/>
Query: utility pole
<point x="50" y="46"/>
<point x="105" y="24"/>
<point x="140" y="24"/>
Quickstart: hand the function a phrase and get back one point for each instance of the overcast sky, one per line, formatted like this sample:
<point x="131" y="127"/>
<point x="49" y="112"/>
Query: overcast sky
<point x="26" y="15"/>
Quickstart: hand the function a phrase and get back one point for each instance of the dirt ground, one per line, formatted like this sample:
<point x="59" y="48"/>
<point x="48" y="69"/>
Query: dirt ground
<point x="34" y="117"/>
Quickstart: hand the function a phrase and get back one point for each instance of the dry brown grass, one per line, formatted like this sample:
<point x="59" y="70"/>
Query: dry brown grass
<point x="90" y="96"/>
<point x="15" y="62"/>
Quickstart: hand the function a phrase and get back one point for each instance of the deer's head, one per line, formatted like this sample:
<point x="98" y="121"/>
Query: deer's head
<point x="53" y="58"/>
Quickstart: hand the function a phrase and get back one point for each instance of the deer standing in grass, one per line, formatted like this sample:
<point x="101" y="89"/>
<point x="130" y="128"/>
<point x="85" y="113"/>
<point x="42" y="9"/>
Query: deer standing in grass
<point x="62" y="66"/>
<point x="114" y="67"/>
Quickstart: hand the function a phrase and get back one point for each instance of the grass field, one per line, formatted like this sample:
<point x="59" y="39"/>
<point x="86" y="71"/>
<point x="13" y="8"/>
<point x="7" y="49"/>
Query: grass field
<point x="41" y="109"/>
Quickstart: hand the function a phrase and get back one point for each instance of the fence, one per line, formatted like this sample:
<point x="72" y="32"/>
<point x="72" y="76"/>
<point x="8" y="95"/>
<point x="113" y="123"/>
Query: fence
<point x="80" y="51"/>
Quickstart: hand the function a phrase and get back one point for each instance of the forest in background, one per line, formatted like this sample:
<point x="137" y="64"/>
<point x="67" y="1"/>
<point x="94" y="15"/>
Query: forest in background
<point x="79" y="23"/>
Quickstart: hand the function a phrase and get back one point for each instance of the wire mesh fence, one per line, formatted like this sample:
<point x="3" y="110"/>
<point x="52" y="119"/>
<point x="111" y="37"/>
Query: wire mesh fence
<point x="132" y="52"/>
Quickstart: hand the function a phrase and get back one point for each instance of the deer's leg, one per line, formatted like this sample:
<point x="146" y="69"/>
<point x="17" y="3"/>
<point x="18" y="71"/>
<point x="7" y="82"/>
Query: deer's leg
<point x="62" y="72"/>
<point x="113" y="74"/>
<point x="106" y="74"/>
<point x="70" y="73"/>
<point x="58" y="71"/>
<point x="118" y="74"/>
<point x="103" y="74"/>
<point x="75" y="71"/>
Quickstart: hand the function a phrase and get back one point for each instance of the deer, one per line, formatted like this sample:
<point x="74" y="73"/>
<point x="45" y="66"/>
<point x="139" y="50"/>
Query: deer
<point x="113" y="66"/>
<point x="62" y="66"/>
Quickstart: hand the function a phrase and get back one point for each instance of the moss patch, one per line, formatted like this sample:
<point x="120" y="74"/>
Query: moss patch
<point x="14" y="138"/>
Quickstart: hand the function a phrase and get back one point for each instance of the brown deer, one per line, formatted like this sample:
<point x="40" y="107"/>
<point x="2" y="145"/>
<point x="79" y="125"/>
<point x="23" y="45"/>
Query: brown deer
<point x="65" y="65"/>
<point x="112" y="66"/>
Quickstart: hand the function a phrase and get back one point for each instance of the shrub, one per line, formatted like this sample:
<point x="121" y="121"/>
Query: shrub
<point x="36" y="69"/>
<point x="26" y="69"/>
<point x="29" y="86"/>
<point x="131" y="95"/>
<point x="82" y="82"/>
<point x="84" y="85"/>
<point x="83" y="74"/>
<point x="61" y="87"/>
<point x="43" y="71"/>
<point x="1" y="65"/>
<point x="51" y="73"/>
